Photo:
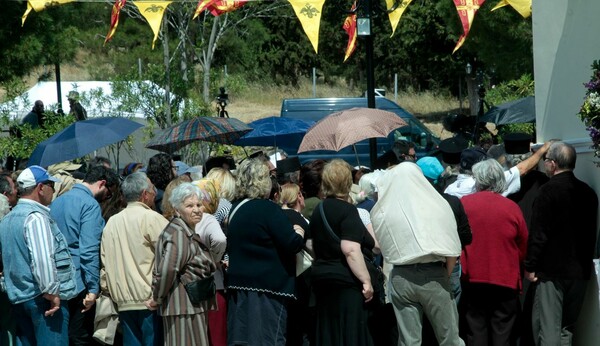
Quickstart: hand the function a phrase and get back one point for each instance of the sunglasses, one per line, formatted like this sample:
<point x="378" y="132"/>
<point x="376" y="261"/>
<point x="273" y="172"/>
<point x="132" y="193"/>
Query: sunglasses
<point x="49" y="183"/>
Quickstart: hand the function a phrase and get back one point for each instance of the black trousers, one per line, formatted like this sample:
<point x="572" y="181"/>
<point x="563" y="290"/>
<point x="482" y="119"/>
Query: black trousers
<point x="491" y="314"/>
<point x="81" y="325"/>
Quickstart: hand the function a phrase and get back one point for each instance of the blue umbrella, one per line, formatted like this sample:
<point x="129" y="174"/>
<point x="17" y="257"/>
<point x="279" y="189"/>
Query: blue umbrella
<point x="82" y="138"/>
<point x="275" y="131"/>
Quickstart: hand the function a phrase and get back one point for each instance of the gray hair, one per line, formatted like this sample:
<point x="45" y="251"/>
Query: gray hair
<point x="4" y="206"/>
<point x="514" y="159"/>
<point x="134" y="185"/>
<point x="183" y="192"/>
<point x="253" y="180"/>
<point x="563" y="154"/>
<point x="489" y="176"/>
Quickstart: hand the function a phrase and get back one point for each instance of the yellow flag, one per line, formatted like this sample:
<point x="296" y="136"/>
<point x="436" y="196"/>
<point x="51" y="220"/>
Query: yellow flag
<point x="153" y="11"/>
<point x="397" y="13"/>
<point x="309" y="13"/>
<point x="521" y="6"/>
<point x="40" y="5"/>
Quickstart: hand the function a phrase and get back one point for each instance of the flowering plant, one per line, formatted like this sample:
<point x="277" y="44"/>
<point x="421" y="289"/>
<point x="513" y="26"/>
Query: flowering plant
<point x="590" y="110"/>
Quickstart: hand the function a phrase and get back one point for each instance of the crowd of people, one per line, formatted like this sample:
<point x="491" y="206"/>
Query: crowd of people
<point x="272" y="252"/>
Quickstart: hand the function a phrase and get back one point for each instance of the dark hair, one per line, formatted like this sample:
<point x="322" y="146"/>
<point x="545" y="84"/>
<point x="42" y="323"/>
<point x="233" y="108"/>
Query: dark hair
<point x="275" y="190"/>
<point x="4" y="184"/>
<point x="310" y="177"/>
<point x="160" y="171"/>
<point x="98" y="173"/>
<point x="98" y="161"/>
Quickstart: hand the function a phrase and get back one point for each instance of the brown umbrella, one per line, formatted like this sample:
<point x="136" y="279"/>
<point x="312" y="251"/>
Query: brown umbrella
<point x="341" y="129"/>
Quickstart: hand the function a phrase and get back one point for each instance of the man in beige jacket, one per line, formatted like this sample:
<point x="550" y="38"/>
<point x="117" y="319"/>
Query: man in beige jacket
<point x="127" y="252"/>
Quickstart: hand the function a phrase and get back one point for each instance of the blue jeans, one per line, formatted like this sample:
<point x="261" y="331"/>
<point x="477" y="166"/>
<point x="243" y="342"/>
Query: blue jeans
<point x="141" y="327"/>
<point x="33" y="328"/>
<point x="455" y="282"/>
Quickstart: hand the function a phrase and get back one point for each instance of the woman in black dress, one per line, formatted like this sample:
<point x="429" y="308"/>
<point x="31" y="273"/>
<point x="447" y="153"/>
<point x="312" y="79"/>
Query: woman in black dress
<point x="339" y="274"/>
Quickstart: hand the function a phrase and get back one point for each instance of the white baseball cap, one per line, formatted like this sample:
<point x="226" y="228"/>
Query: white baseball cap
<point x="34" y="175"/>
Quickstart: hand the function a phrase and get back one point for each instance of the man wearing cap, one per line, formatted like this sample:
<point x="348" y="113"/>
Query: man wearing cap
<point x="77" y="109"/>
<point x="465" y="183"/>
<point x="79" y="217"/>
<point x="185" y="171"/>
<point x="288" y="170"/>
<point x="38" y="272"/>
<point x="561" y="246"/>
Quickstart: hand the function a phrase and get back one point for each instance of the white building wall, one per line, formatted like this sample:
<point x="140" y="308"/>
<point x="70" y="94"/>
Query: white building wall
<point x="566" y="39"/>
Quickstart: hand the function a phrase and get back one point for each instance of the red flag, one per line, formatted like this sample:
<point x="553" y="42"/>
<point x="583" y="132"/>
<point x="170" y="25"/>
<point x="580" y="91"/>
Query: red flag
<point x="219" y="7"/>
<point x="466" y="11"/>
<point x="350" y="28"/>
<point x="203" y="5"/>
<point x="114" y="19"/>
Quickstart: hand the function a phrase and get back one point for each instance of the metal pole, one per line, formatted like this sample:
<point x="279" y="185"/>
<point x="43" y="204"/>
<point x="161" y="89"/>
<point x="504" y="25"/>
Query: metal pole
<point x="460" y="95"/>
<point x="58" y="86"/>
<point x="314" y="82"/>
<point x="396" y="87"/>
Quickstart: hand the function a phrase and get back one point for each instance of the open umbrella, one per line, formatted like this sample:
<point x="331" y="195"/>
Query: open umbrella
<point x="275" y="131"/>
<point x="81" y="138"/>
<point x="341" y="129"/>
<point x="518" y="111"/>
<point x="209" y="129"/>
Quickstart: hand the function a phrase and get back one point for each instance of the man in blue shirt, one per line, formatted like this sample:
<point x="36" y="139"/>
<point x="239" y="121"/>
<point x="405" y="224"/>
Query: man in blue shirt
<point x="79" y="217"/>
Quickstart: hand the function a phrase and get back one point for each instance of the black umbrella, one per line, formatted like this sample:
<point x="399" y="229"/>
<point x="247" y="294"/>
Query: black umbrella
<point x="518" y="111"/>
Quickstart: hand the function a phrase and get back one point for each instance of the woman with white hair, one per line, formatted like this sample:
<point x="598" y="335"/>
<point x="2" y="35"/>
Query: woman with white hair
<point x="262" y="244"/>
<point x="183" y="272"/>
<point x="491" y="263"/>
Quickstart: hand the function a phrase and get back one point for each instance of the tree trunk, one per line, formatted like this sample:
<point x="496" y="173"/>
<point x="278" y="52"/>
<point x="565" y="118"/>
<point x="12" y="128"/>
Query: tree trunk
<point x="208" y="56"/>
<point x="165" y="40"/>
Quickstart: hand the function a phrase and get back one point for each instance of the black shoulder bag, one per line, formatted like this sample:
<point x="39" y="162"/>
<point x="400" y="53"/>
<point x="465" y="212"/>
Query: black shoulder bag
<point x="377" y="277"/>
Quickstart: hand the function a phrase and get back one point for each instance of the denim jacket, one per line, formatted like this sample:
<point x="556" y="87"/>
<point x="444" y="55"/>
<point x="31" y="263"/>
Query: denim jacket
<point x="19" y="280"/>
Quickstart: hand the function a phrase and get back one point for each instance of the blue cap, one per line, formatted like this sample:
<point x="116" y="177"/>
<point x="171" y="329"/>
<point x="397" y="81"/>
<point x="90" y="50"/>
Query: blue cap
<point x="431" y="167"/>
<point x="34" y="175"/>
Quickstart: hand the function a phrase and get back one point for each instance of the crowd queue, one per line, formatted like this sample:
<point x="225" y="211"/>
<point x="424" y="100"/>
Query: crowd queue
<point x="267" y="252"/>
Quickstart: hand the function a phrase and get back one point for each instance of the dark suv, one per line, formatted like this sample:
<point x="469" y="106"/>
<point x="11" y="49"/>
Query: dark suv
<point x="316" y="108"/>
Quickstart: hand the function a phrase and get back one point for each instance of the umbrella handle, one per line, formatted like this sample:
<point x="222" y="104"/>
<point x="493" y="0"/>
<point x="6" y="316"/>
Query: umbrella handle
<point x="356" y="154"/>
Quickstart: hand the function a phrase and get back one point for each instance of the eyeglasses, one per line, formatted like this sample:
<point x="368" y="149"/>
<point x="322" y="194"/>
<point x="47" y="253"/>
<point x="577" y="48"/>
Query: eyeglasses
<point x="48" y="183"/>
<point x="548" y="159"/>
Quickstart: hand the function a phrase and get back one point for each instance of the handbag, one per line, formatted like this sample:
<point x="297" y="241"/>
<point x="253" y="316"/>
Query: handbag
<point x="201" y="290"/>
<point x="303" y="261"/>
<point x="375" y="272"/>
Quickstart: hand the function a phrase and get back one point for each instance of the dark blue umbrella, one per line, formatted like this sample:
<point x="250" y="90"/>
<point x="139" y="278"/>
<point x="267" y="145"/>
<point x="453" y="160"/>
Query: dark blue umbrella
<point x="517" y="111"/>
<point x="275" y="132"/>
<point x="82" y="138"/>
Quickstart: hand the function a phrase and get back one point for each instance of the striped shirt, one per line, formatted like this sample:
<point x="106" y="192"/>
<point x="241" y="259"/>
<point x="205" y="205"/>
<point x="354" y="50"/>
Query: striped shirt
<point x="40" y="242"/>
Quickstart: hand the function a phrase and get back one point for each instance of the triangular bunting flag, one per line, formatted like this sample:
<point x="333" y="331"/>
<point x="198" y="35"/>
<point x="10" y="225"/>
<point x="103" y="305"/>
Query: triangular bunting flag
<point x="225" y="6"/>
<point x="153" y="11"/>
<point x="218" y="7"/>
<point x="309" y="13"/>
<point x="114" y="19"/>
<point x="202" y="5"/>
<point x="40" y="5"/>
<point x="350" y="28"/>
<point x="397" y="13"/>
<point x="466" y="11"/>
<point x="521" y="6"/>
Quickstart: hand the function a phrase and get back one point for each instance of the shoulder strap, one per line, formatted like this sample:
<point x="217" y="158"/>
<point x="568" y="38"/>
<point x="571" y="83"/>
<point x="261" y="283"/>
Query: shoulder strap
<point x="331" y="233"/>
<point x="236" y="208"/>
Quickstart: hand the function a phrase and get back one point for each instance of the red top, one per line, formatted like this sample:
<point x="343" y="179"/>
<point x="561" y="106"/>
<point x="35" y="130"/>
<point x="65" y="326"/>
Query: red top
<point x="499" y="240"/>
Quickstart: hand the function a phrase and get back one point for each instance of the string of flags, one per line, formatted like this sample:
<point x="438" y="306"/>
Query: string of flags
<point x="307" y="11"/>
